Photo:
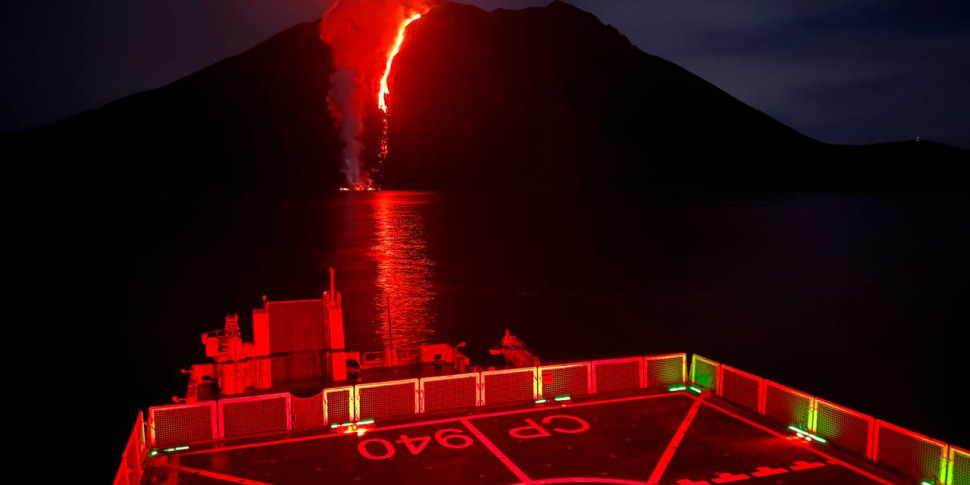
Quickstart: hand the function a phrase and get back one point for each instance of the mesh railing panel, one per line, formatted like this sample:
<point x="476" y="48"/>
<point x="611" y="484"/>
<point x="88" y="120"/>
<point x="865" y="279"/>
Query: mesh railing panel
<point x="338" y="405"/>
<point x="387" y="400"/>
<point x="787" y="406"/>
<point x="501" y="387"/>
<point x="908" y="453"/>
<point x="571" y="380"/>
<point x="741" y="388"/>
<point x="664" y="371"/>
<point x="254" y="415"/>
<point x="959" y="471"/>
<point x="703" y="373"/>
<point x="846" y="429"/>
<point x="308" y="412"/>
<point x="453" y="392"/>
<point x="617" y="374"/>
<point x="181" y="425"/>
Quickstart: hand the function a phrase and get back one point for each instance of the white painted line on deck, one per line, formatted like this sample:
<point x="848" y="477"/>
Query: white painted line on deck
<point x="495" y="451"/>
<point x="668" y="455"/>
<point x="217" y="476"/>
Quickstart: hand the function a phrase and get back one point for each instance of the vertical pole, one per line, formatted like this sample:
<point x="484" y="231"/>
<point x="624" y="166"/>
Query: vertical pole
<point x="390" y="334"/>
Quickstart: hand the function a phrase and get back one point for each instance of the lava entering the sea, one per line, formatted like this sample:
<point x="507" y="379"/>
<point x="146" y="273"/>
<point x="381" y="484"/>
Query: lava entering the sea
<point x="364" y="37"/>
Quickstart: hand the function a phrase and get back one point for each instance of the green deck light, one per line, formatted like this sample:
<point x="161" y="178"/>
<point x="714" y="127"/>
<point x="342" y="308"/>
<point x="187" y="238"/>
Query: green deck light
<point x="153" y="453"/>
<point x="677" y="388"/>
<point x="696" y="389"/>
<point x="561" y="398"/>
<point x="924" y="482"/>
<point x="540" y="401"/>
<point x="366" y="421"/>
<point x="808" y="435"/>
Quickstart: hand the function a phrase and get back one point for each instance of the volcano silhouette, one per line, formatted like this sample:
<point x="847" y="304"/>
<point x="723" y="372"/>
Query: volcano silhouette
<point x="534" y="99"/>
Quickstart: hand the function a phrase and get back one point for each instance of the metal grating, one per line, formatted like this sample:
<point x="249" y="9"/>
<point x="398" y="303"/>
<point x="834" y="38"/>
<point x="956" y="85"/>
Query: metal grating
<point x="182" y="424"/>
<point x="387" y="399"/>
<point x="663" y="371"/>
<point x="914" y="456"/>
<point x="741" y="388"/>
<point x="617" y="374"/>
<point x="308" y="411"/>
<point x="703" y="373"/>
<point x="509" y="386"/>
<point x="245" y="416"/>
<point x="844" y="428"/>
<point x="565" y="380"/>
<point x="338" y="405"/>
<point x="787" y="406"/>
<point x="959" y="472"/>
<point x="448" y="393"/>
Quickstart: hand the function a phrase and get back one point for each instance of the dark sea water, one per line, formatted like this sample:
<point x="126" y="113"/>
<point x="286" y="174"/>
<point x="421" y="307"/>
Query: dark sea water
<point x="859" y="299"/>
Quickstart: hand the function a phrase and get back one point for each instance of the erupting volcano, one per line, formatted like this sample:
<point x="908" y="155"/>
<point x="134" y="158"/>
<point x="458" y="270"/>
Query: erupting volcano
<point x="364" y="36"/>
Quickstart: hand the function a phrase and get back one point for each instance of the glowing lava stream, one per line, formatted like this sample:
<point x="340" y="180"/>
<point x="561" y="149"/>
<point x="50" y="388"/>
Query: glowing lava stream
<point x="390" y="60"/>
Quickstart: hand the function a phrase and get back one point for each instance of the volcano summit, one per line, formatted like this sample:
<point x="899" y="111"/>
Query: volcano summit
<point x="536" y="98"/>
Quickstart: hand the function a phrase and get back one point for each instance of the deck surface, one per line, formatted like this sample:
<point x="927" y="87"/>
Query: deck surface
<point x="667" y="438"/>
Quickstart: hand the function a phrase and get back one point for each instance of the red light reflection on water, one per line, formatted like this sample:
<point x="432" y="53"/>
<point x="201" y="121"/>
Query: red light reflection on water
<point x="405" y="271"/>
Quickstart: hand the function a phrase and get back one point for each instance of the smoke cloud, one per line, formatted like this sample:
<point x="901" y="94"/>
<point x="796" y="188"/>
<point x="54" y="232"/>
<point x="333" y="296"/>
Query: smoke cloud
<point x="361" y="34"/>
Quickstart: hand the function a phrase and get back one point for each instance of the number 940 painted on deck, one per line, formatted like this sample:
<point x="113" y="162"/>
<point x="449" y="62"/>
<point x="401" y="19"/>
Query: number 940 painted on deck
<point x="381" y="449"/>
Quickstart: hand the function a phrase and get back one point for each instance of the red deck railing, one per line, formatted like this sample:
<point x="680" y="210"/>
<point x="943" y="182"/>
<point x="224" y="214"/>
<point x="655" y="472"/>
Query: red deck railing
<point x="564" y="380"/>
<point x="617" y="374"/>
<point x="958" y="473"/>
<point x="510" y="386"/>
<point x="911" y="455"/>
<point x="850" y="430"/>
<point x="663" y="371"/>
<point x="338" y="405"/>
<point x="252" y="415"/>
<point x="741" y="388"/>
<point x="182" y="424"/>
<point x="130" y="470"/>
<point x="308" y="411"/>
<point x="448" y="393"/>
<point x="382" y="400"/>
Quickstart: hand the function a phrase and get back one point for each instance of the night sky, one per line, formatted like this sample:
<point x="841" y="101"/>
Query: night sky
<point x="843" y="72"/>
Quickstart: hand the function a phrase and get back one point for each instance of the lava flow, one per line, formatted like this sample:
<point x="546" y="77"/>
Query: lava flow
<point x="364" y="37"/>
<point x="390" y="60"/>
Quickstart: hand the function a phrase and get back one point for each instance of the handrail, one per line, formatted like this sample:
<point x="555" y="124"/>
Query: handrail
<point x="713" y="377"/>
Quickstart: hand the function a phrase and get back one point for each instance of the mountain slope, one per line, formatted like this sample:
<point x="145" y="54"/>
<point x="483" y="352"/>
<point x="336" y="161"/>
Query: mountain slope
<point x="541" y="98"/>
<point x="254" y="123"/>
<point x="551" y="96"/>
